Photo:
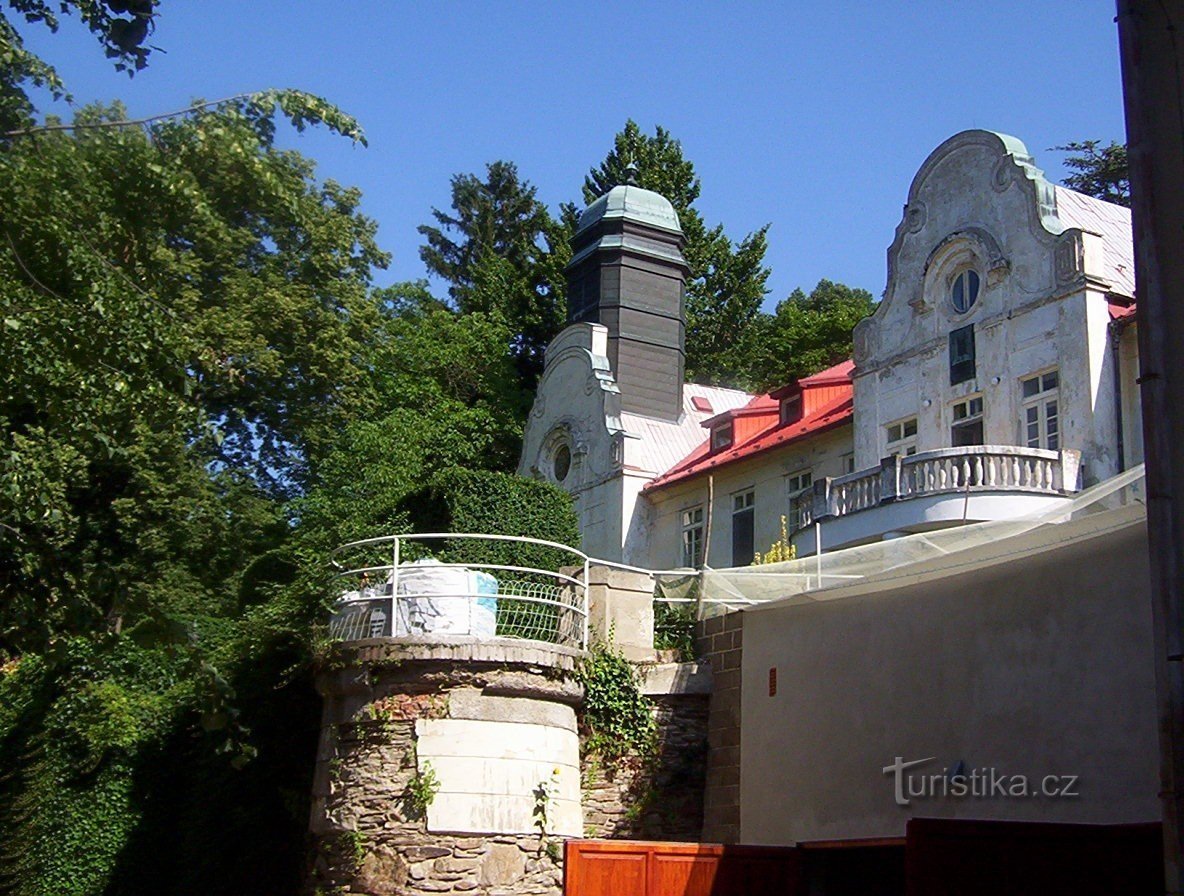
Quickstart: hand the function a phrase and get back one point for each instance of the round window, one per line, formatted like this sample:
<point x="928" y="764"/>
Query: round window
<point x="561" y="465"/>
<point x="964" y="291"/>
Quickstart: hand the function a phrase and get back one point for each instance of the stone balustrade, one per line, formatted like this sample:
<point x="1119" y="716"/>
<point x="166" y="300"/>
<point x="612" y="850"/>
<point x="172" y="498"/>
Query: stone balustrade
<point x="977" y="468"/>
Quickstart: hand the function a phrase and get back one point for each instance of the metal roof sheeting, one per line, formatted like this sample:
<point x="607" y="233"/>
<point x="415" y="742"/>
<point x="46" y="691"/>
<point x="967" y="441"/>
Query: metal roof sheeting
<point x="661" y="444"/>
<point x="1111" y="222"/>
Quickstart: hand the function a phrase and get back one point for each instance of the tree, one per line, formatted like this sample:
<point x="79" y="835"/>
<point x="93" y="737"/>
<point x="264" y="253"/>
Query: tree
<point x="500" y="250"/>
<point x="121" y="27"/>
<point x="727" y="279"/>
<point x="807" y="333"/>
<point x="1098" y="172"/>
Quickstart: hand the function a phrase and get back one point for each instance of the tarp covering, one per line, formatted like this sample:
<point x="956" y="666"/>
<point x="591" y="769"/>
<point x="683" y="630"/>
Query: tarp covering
<point x="808" y="578"/>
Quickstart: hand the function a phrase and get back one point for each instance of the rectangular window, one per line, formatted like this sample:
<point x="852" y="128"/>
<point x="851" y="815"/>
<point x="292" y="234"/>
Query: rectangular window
<point x="962" y="355"/>
<point x="967" y="428"/>
<point x="799" y="487"/>
<point x="1041" y="418"/>
<point x="902" y="437"/>
<point x="849" y="463"/>
<point x="721" y="436"/>
<point x="743" y="516"/>
<point x="692" y="537"/>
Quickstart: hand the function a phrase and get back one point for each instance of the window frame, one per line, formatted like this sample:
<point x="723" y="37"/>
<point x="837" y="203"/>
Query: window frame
<point x="692" y="522"/>
<point x="1039" y="402"/>
<point x="796" y="485"/>
<point x="970" y="418"/>
<point x="722" y="436"/>
<point x="963" y="355"/>
<point x="744" y="514"/>
<point x="962" y="278"/>
<point x="905" y="442"/>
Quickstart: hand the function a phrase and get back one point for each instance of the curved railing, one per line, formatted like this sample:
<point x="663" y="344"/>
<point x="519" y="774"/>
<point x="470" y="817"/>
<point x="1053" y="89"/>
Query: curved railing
<point x="425" y="585"/>
<point x="977" y="468"/>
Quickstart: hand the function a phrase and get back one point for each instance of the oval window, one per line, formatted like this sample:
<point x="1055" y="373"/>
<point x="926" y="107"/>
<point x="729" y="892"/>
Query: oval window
<point x="964" y="292"/>
<point x="562" y="463"/>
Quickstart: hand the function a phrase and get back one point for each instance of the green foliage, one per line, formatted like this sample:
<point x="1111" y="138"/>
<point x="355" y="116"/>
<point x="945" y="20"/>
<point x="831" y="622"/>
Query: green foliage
<point x="1099" y="172"/>
<point x="422" y="789"/>
<point x="185" y="325"/>
<point x="501" y="252"/>
<point x="808" y="333"/>
<point x="121" y="27"/>
<point x="674" y="629"/>
<point x="617" y="717"/>
<point x="496" y="503"/>
<point x="544" y="796"/>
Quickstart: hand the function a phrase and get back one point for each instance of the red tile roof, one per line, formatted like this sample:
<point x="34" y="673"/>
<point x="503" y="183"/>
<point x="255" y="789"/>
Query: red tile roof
<point x="833" y="410"/>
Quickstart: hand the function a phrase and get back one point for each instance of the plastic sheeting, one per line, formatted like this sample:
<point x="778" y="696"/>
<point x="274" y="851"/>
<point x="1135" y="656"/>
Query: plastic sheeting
<point x="723" y="590"/>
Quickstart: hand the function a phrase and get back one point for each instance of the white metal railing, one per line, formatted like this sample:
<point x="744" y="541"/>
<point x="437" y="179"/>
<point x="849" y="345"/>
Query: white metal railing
<point x="976" y="468"/>
<point x="505" y="592"/>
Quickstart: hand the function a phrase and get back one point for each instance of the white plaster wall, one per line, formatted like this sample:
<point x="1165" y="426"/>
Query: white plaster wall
<point x="978" y="197"/>
<point x="765" y="474"/>
<point x="489" y="772"/>
<point x="577" y="401"/>
<point x="1037" y="666"/>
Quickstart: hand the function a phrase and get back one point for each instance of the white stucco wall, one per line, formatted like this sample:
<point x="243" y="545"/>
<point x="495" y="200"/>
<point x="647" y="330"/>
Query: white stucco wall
<point x="1037" y="666"/>
<point x="979" y="202"/>
<point x="765" y="474"/>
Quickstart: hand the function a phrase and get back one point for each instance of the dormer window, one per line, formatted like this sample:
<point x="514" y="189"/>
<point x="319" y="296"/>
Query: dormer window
<point x="721" y="436"/>
<point x="791" y="409"/>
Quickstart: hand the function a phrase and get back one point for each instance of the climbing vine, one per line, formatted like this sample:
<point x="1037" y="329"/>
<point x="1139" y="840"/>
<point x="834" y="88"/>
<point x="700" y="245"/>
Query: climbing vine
<point x="618" y="718"/>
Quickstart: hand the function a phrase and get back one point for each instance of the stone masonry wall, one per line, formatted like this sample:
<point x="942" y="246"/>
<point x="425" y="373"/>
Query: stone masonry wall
<point x="382" y="847"/>
<point x="719" y="640"/>
<point x="658" y="797"/>
<point x="368" y="835"/>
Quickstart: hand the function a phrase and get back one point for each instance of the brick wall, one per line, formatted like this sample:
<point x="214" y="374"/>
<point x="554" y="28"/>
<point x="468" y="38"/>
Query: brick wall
<point x="719" y="641"/>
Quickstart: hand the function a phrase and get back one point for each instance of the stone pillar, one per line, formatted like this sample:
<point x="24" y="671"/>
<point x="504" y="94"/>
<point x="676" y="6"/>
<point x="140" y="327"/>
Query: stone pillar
<point x="446" y="768"/>
<point x="621" y="607"/>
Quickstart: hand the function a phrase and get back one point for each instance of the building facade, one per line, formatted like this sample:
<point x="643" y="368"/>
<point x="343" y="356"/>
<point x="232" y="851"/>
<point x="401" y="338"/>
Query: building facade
<point x="995" y="378"/>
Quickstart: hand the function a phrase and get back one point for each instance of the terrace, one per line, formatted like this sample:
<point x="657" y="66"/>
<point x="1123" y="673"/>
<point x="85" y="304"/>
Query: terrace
<point x="932" y="490"/>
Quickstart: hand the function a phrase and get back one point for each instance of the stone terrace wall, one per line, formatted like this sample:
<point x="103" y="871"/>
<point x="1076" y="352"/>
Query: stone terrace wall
<point x="658" y="797"/>
<point x="719" y="640"/>
<point x="367" y="835"/>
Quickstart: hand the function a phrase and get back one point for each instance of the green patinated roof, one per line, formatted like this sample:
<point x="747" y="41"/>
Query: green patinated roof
<point x="634" y="203"/>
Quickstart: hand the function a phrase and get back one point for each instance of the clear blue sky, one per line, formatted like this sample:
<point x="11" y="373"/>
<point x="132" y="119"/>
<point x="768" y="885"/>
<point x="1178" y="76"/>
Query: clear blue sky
<point x="810" y="116"/>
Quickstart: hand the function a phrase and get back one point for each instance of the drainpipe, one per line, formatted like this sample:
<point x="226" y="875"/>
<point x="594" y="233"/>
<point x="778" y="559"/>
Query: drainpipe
<point x="1116" y="358"/>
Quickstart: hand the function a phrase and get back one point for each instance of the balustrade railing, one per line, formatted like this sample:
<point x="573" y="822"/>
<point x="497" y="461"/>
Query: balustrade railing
<point x="484" y="586"/>
<point x="978" y="468"/>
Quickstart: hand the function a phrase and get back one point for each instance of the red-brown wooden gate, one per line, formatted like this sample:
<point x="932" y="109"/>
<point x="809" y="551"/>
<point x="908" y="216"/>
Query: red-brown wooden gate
<point x="633" y="868"/>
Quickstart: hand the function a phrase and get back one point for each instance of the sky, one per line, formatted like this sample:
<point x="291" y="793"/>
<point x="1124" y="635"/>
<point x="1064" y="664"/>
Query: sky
<point x="809" y="116"/>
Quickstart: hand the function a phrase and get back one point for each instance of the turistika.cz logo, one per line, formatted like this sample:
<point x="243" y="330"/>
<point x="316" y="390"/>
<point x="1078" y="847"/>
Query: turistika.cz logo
<point x="981" y="783"/>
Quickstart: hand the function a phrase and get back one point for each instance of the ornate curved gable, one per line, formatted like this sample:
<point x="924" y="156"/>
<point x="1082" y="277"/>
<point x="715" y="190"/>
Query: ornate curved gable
<point x="977" y="203"/>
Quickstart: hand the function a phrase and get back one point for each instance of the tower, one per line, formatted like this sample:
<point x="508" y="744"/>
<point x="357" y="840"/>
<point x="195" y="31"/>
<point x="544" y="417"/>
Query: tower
<point x="628" y="273"/>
